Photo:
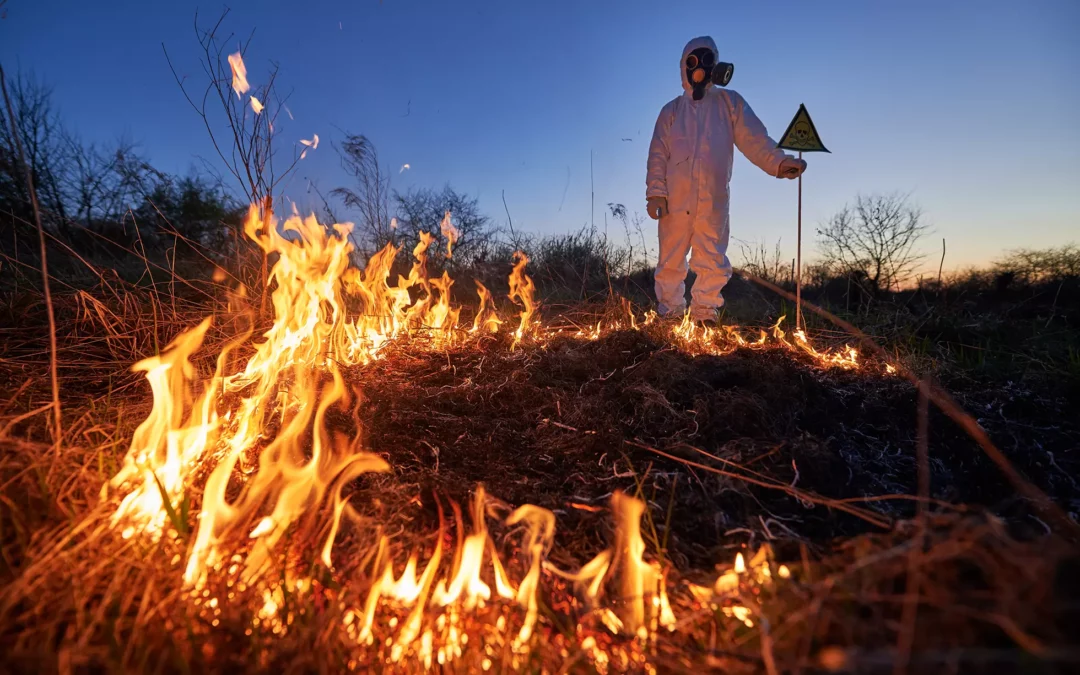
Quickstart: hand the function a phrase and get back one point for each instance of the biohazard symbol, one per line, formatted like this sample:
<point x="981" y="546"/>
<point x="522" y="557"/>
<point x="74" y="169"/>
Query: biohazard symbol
<point x="801" y="134"/>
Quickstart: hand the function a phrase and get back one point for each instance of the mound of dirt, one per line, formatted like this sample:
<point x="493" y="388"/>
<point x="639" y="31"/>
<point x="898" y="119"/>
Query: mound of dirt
<point x="565" y="423"/>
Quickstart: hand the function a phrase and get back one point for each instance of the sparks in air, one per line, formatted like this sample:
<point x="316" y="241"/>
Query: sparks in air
<point x="404" y="168"/>
<point x="239" y="74"/>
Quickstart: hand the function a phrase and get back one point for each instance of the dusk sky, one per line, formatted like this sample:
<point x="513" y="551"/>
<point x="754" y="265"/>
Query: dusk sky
<point x="970" y="107"/>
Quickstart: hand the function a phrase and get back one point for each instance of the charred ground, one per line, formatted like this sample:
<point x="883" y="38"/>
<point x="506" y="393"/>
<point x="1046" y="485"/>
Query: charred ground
<point x="728" y="452"/>
<point x="564" y="425"/>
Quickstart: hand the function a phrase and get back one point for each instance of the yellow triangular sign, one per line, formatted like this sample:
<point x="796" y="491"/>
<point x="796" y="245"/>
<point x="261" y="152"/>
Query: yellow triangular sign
<point x="801" y="134"/>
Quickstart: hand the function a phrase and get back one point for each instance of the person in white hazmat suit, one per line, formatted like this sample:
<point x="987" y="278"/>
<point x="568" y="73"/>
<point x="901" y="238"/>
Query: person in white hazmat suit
<point x="689" y="170"/>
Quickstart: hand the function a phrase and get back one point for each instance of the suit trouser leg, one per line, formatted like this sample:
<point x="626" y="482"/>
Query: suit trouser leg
<point x="709" y="261"/>
<point x="670" y="278"/>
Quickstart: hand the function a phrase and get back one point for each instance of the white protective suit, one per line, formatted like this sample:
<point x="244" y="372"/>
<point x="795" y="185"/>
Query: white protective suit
<point x="690" y="161"/>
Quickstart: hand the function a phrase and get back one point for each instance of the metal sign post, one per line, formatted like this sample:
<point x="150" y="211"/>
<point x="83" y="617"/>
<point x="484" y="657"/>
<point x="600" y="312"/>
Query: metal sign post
<point x="802" y="136"/>
<point x="798" y="261"/>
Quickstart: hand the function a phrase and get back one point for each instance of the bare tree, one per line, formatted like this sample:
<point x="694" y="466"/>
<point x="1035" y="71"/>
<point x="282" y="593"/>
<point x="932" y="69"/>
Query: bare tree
<point x="874" y="239"/>
<point x="246" y="146"/>
<point x="100" y="199"/>
<point x="38" y="126"/>
<point x="242" y="125"/>
<point x="423" y="210"/>
<point x="370" y="196"/>
<point x="78" y="185"/>
<point x="103" y="183"/>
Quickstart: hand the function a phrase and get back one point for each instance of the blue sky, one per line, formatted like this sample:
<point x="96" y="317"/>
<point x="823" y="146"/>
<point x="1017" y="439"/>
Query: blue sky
<point x="968" y="106"/>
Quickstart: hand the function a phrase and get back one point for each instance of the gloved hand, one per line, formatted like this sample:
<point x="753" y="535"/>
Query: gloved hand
<point x="656" y="207"/>
<point x="791" y="168"/>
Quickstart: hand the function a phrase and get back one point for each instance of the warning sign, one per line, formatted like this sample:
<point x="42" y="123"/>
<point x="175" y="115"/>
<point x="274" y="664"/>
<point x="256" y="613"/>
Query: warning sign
<point x="801" y="134"/>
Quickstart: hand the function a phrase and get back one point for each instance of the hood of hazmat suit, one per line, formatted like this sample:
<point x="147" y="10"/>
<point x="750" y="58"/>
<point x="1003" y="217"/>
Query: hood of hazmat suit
<point x="690" y="160"/>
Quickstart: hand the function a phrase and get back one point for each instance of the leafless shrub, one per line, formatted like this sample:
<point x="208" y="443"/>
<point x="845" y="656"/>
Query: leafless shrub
<point x="38" y="125"/>
<point x="763" y="263"/>
<point x="874" y="239"/>
<point x="1034" y="266"/>
<point x="247" y="148"/>
<point x="370" y="195"/>
<point x="422" y="210"/>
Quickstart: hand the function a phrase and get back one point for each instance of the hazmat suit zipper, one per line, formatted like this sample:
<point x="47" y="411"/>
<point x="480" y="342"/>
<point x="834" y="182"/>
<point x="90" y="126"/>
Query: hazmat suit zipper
<point x="696" y="174"/>
<point x="699" y="173"/>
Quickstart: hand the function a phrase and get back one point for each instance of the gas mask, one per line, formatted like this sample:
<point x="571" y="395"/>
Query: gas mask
<point x="702" y="71"/>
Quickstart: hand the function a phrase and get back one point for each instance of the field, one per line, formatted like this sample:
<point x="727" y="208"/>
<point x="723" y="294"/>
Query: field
<point x="326" y="477"/>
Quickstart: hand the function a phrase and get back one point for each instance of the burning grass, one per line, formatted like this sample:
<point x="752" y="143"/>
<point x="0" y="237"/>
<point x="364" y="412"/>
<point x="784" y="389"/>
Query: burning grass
<point x="368" y="485"/>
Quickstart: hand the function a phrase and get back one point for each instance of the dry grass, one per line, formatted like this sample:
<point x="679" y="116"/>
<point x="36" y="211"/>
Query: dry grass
<point x="727" y="451"/>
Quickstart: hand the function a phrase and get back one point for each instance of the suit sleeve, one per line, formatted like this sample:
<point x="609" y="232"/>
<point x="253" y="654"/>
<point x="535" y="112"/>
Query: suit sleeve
<point x="659" y="152"/>
<point x="752" y="138"/>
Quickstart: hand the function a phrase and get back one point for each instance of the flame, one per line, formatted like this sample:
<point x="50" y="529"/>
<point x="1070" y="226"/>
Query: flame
<point x="485" y="314"/>
<point x="696" y="338"/>
<point x="461" y="589"/>
<point x="465" y="578"/>
<point x="637" y="577"/>
<point x="239" y="74"/>
<point x="640" y="586"/>
<point x="778" y="332"/>
<point x="276" y="472"/>
<point x="256" y="105"/>
<point x="169" y="443"/>
<point x="743" y="580"/>
<point x="541" y="532"/>
<point x="301" y="354"/>
<point x="521" y="289"/>
<point x="451" y="233"/>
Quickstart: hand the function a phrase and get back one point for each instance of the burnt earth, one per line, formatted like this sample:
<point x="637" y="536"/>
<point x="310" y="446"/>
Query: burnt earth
<point x="563" y="425"/>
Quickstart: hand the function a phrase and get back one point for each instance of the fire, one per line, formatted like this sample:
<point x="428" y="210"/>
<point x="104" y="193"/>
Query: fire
<point x="541" y="531"/>
<point x="737" y="590"/>
<point x="171" y="440"/>
<point x="639" y="588"/>
<point x="637" y="578"/>
<point x="256" y="105"/>
<point x="466" y="575"/>
<point x="485" y="314"/>
<point x="451" y="233"/>
<point x="461" y="588"/>
<point x="239" y="74"/>
<point x="252" y="447"/>
<point x="521" y="289"/>
<point x="705" y="339"/>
